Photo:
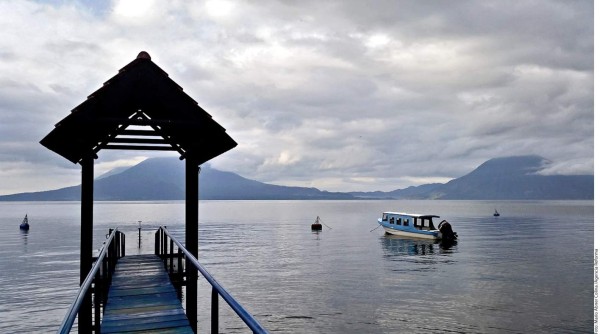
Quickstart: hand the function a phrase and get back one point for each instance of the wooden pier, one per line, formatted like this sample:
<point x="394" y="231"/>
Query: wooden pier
<point x="143" y="299"/>
<point x="141" y="108"/>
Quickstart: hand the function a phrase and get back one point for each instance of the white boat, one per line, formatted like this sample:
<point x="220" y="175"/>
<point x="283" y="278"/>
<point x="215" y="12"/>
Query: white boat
<point x="416" y="226"/>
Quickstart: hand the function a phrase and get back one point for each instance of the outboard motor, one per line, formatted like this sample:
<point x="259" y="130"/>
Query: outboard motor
<point x="446" y="230"/>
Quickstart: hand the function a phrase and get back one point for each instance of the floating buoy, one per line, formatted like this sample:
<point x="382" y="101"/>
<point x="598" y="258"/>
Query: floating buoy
<point x="316" y="226"/>
<point x="25" y="224"/>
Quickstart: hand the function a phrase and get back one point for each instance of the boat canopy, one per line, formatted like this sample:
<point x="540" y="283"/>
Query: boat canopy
<point x="414" y="215"/>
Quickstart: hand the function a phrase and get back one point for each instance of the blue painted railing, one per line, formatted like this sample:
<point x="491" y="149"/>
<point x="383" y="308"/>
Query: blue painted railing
<point x="96" y="284"/>
<point x="164" y="247"/>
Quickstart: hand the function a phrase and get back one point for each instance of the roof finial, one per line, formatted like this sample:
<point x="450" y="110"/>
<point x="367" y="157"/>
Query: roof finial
<point x="144" y="55"/>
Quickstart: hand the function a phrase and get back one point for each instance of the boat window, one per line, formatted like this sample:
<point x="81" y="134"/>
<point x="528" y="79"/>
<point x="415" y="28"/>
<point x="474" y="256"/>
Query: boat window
<point x="392" y="220"/>
<point x="406" y="222"/>
<point x="385" y="217"/>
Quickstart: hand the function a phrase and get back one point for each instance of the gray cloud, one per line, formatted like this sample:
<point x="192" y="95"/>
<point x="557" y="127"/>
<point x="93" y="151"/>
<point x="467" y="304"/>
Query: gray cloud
<point x="341" y="95"/>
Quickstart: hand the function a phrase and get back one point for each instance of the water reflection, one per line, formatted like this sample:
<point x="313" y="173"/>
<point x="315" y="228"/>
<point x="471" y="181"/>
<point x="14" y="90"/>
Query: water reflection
<point x="399" y="245"/>
<point x="24" y="237"/>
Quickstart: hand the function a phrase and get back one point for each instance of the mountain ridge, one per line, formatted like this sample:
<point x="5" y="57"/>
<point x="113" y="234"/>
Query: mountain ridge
<point x="502" y="178"/>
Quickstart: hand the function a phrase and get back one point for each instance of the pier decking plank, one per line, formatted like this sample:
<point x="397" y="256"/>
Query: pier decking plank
<point x="142" y="299"/>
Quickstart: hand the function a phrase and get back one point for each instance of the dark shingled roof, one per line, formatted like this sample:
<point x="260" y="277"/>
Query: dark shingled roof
<point x="140" y="108"/>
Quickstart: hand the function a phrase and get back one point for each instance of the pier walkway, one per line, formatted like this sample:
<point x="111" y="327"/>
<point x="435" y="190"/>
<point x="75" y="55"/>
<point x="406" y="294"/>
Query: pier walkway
<point x="142" y="293"/>
<point x="142" y="298"/>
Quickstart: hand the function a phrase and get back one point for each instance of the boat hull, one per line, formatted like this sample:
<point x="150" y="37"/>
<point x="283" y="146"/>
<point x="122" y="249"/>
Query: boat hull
<point x="414" y="234"/>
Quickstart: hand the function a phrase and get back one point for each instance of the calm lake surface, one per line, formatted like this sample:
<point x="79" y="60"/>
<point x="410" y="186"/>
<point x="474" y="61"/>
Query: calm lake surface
<point x="528" y="271"/>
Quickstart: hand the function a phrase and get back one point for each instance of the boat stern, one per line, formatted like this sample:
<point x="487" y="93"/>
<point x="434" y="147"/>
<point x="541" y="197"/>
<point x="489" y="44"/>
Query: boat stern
<point x="446" y="232"/>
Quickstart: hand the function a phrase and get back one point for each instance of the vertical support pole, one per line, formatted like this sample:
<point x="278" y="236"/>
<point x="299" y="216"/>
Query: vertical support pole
<point x="87" y="238"/>
<point x="192" y="169"/>
<point x="122" y="241"/>
<point x="171" y="255"/>
<point x="98" y="287"/>
<point x="139" y="234"/>
<point x="214" y="312"/>
<point x="164" y="248"/>
<point x="158" y="241"/>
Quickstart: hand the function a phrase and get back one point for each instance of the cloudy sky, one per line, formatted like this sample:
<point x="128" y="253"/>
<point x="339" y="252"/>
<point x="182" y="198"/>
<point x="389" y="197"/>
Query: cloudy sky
<point x="340" y="95"/>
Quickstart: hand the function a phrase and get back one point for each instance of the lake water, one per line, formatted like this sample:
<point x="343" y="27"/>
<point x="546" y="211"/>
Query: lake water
<point x="528" y="271"/>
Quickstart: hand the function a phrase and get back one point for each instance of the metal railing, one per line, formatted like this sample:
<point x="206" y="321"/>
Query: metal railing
<point x="174" y="263"/>
<point x="96" y="284"/>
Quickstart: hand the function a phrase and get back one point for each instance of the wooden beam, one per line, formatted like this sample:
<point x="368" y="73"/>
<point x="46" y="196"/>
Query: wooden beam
<point x="149" y="133"/>
<point x="173" y="143"/>
<point x="141" y="121"/>
<point x="139" y="147"/>
<point x="139" y="141"/>
<point x="109" y="137"/>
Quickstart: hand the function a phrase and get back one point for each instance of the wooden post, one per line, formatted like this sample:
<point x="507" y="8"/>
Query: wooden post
<point x="214" y="312"/>
<point x="139" y="234"/>
<point x="87" y="239"/>
<point x="192" y="169"/>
